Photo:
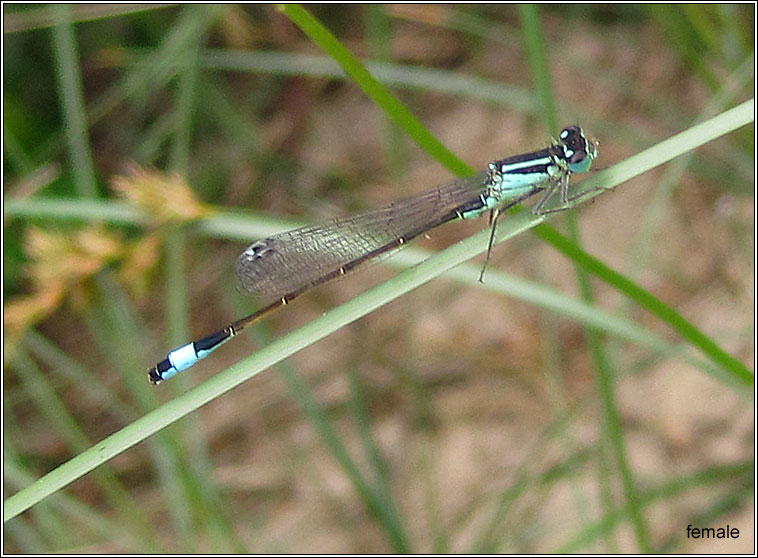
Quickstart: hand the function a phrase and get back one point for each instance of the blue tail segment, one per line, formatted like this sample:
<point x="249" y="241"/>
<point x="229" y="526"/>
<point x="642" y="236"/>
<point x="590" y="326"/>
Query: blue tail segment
<point x="188" y="355"/>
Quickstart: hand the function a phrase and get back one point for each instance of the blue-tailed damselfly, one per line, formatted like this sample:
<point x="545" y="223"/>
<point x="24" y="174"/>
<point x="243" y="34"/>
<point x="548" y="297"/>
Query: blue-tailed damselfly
<point x="279" y="268"/>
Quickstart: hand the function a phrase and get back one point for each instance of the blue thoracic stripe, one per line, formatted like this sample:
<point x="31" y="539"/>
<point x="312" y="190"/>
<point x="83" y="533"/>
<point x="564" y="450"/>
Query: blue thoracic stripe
<point x="511" y="166"/>
<point x="288" y="264"/>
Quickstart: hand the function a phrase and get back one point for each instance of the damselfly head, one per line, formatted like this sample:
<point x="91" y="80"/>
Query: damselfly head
<point x="578" y="151"/>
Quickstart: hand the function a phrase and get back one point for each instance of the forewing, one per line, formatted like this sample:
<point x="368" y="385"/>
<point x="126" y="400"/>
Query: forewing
<point x="286" y="262"/>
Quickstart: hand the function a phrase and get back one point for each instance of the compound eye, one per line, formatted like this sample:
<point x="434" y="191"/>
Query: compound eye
<point x="569" y="134"/>
<point x="577" y="157"/>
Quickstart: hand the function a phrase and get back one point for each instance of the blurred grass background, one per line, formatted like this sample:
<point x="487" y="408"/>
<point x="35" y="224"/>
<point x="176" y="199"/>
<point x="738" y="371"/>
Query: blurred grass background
<point x="452" y="420"/>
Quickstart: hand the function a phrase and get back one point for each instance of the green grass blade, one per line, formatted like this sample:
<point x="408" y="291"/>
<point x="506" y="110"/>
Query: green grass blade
<point x="535" y="50"/>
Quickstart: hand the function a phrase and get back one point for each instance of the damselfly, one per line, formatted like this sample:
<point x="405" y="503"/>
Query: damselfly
<point x="279" y="268"/>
